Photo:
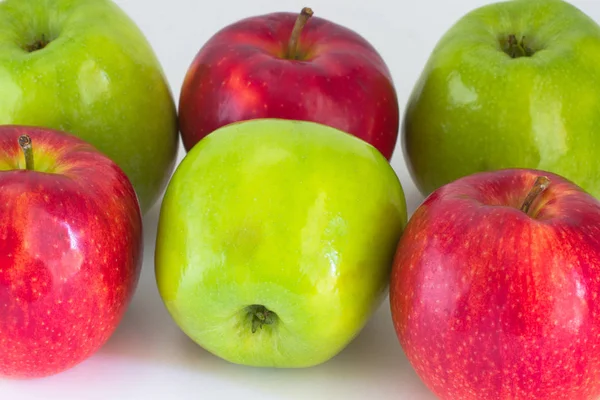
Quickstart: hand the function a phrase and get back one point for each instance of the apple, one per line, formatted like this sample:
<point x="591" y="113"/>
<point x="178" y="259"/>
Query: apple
<point x="511" y="85"/>
<point x="83" y="67"/>
<point x="494" y="288"/>
<point x="70" y="250"/>
<point x="276" y="239"/>
<point x="288" y="66"/>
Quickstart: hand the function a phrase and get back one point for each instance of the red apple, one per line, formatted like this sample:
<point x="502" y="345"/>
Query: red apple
<point x="494" y="289"/>
<point x="282" y="65"/>
<point x="70" y="250"/>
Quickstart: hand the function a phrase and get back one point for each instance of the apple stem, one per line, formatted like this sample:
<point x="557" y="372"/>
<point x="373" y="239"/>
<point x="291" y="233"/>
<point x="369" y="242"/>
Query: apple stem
<point x="261" y="316"/>
<point x="516" y="49"/>
<point x="540" y="184"/>
<point x="25" y="143"/>
<point x="302" y="19"/>
<point x="37" y="44"/>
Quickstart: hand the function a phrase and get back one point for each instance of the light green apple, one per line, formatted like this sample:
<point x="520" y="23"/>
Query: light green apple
<point x="276" y="240"/>
<point x="84" y="67"/>
<point x="511" y="84"/>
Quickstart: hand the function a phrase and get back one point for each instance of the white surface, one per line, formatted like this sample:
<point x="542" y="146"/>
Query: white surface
<point x="148" y="357"/>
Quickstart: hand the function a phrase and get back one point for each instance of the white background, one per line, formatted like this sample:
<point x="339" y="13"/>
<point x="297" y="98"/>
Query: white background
<point x="148" y="357"/>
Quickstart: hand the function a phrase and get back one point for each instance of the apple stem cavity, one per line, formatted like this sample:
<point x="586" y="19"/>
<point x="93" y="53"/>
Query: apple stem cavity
<point x="25" y="143"/>
<point x="37" y="44"/>
<point x="260" y="316"/>
<point x="541" y="183"/>
<point x="516" y="49"/>
<point x="301" y="21"/>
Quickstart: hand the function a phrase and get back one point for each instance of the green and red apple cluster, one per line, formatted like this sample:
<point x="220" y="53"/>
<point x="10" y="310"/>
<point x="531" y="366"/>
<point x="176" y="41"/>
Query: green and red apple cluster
<point x="278" y="230"/>
<point x="285" y="225"/>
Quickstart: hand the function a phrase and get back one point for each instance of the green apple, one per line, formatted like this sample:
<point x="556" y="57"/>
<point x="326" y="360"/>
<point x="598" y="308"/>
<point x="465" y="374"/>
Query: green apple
<point x="84" y="67"/>
<point x="511" y="84"/>
<point x="276" y="240"/>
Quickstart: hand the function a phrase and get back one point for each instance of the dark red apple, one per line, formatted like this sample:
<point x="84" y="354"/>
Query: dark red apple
<point x="70" y="250"/>
<point x="494" y="289"/>
<point x="282" y="65"/>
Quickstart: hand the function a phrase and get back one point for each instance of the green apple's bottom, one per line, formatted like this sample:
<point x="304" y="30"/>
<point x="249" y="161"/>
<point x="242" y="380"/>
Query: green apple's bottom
<point x="276" y="239"/>
<point x="299" y="332"/>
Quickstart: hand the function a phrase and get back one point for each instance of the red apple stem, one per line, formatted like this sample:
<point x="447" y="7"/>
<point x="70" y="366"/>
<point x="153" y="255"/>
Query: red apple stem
<point x="25" y="143"/>
<point x="301" y="21"/>
<point x="541" y="183"/>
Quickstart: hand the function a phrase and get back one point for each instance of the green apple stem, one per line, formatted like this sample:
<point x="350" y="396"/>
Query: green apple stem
<point x="540" y="184"/>
<point x="261" y="316"/>
<point x="25" y="143"/>
<point x="516" y="49"/>
<point x="37" y="44"/>
<point x="302" y="19"/>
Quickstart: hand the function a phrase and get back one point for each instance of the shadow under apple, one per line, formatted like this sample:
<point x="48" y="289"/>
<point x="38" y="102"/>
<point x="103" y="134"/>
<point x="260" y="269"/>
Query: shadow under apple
<point x="373" y="360"/>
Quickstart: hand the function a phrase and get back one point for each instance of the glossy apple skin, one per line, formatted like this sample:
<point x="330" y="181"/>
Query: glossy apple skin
<point x="475" y="109"/>
<point x="70" y="252"/>
<point x="295" y="216"/>
<point x="98" y="79"/>
<point x="490" y="303"/>
<point x="241" y="73"/>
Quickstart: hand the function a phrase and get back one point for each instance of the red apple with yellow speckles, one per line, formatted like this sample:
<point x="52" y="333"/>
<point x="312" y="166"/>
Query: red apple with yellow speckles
<point x="494" y="289"/>
<point x="70" y="250"/>
<point x="290" y="66"/>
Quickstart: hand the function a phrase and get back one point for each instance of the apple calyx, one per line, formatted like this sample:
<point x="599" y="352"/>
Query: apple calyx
<point x="25" y="144"/>
<point x="260" y="316"/>
<point x="37" y="44"/>
<point x="541" y="183"/>
<point x="516" y="49"/>
<point x="305" y="14"/>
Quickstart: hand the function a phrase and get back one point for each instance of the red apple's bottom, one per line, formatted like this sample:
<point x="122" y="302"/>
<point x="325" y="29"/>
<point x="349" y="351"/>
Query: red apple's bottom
<point x="65" y="280"/>
<point x="493" y="303"/>
<point x="44" y="338"/>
